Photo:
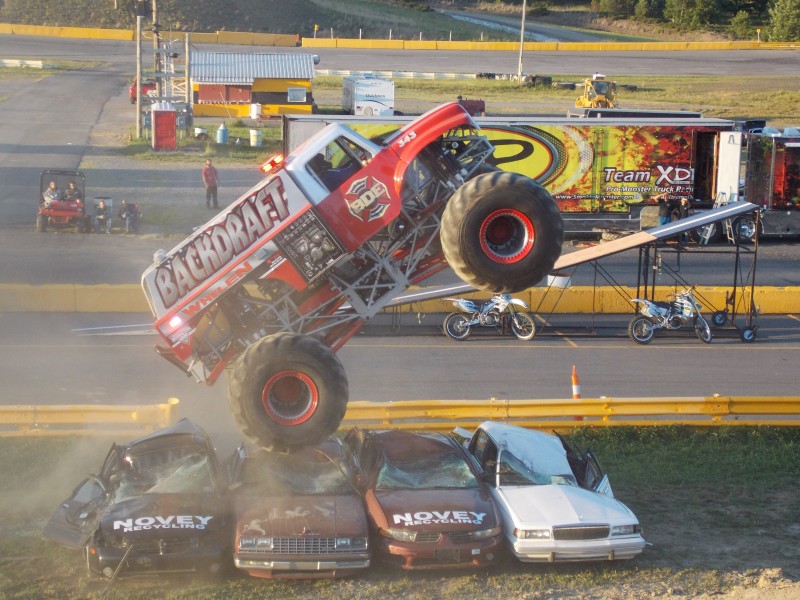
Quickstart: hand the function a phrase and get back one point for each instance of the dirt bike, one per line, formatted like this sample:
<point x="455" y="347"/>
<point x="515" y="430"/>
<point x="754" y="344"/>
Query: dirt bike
<point x="683" y="311"/>
<point x="499" y="312"/>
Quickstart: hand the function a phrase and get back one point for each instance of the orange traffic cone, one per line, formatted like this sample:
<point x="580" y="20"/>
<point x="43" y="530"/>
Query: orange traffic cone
<point x="576" y="389"/>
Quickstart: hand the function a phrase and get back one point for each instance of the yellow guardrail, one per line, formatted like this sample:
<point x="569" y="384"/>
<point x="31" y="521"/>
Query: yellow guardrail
<point x="708" y="411"/>
<point x="436" y="415"/>
<point x="272" y="39"/>
<point x="86" y="419"/>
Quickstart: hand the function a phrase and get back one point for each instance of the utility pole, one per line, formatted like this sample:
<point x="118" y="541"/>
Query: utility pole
<point x="138" y="77"/>
<point x="521" y="40"/>
<point x="156" y="48"/>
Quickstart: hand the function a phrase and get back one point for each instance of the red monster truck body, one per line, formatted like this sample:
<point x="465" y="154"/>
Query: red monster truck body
<point x="273" y="285"/>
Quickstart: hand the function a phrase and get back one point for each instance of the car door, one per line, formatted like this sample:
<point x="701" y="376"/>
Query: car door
<point x="586" y="469"/>
<point x="594" y="478"/>
<point x="75" y="520"/>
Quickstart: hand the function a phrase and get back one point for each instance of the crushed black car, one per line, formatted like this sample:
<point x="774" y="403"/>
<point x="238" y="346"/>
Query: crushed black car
<point x="158" y="504"/>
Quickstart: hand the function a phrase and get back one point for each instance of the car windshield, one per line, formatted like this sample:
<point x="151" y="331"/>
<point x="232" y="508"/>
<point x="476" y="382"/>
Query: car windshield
<point x="289" y="476"/>
<point x="165" y="473"/>
<point x="426" y="472"/>
<point x="514" y="471"/>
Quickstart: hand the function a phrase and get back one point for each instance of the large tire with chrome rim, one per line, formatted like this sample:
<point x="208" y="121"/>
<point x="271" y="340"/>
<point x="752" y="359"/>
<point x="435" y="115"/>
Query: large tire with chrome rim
<point x="745" y="229"/>
<point x="288" y="390"/>
<point x="641" y="330"/>
<point x="523" y="326"/>
<point x="501" y="232"/>
<point x="455" y="326"/>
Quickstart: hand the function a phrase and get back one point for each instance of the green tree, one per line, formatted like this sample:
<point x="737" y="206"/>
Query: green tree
<point x="616" y="8"/>
<point x="649" y="9"/>
<point x="741" y="27"/>
<point x="691" y="14"/>
<point x="784" y="21"/>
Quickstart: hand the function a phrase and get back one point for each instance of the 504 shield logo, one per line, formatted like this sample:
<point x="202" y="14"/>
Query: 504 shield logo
<point x="367" y="199"/>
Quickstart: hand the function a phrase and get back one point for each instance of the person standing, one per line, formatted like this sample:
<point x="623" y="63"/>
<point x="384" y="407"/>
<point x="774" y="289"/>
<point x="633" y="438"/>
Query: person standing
<point x="664" y="209"/>
<point x="211" y="181"/>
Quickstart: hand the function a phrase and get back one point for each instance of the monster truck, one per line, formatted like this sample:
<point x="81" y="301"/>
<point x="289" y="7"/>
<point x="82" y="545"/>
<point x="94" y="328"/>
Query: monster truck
<point x="278" y="281"/>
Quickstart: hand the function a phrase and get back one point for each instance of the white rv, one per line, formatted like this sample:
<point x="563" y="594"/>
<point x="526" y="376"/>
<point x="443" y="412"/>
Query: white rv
<point x="368" y="96"/>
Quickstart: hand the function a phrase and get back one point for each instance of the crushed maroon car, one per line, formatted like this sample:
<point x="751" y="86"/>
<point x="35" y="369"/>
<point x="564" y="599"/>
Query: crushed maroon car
<point x="426" y="506"/>
<point x="298" y="515"/>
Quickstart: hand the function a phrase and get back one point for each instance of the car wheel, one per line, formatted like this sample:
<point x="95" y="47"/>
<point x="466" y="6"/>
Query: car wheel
<point x="288" y="390"/>
<point x="641" y="330"/>
<point x="41" y="223"/>
<point x="501" y="232"/>
<point x="523" y="326"/>
<point x="455" y="327"/>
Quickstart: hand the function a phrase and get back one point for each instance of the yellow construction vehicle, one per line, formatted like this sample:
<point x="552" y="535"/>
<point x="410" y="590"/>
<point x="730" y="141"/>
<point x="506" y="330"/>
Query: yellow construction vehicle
<point x="597" y="93"/>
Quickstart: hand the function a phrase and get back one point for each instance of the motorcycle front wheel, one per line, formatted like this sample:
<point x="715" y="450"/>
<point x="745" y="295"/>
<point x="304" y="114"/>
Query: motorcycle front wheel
<point x="455" y="327"/>
<point x="523" y="326"/>
<point x="641" y="330"/>
<point x="703" y="330"/>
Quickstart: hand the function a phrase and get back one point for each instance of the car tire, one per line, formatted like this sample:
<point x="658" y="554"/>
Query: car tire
<point x="455" y="327"/>
<point x="41" y="223"/>
<point x="641" y="330"/>
<point x="288" y="390"/>
<point x="501" y="232"/>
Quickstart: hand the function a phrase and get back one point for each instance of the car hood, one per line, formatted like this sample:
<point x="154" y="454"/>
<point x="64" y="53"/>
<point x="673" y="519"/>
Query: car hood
<point x="561" y="505"/>
<point x="299" y="515"/>
<point x="165" y="513"/>
<point x="434" y="510"/>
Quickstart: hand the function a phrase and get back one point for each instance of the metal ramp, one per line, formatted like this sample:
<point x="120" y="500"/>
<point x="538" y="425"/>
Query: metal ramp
<point x="728" y="211"/>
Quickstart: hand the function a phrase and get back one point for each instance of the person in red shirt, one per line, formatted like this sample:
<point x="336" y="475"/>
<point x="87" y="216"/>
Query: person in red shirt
<point x="211" y="181"/>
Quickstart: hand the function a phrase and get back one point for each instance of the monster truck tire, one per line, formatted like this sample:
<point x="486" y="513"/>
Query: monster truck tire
<point x="288" y="390"/>
<point x="501" y="232"/>
<point x="41" y="223"/>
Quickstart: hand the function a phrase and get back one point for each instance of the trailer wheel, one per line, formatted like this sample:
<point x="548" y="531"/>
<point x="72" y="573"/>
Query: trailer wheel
<point x="41" y="223"/>
<point x="288" y="390"/>
<point x="745" y="229"/>
<point x="747" y="335"/>
<point x="501" y="232"/>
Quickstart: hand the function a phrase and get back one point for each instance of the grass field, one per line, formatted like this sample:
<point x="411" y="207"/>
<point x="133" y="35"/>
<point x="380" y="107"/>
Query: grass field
<point x="718" y="506"/>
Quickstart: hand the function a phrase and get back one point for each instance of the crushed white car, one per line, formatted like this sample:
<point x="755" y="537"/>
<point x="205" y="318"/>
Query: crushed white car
<point x="556" y="504"/>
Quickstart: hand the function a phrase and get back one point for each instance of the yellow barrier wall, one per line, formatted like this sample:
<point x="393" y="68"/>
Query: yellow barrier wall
<point x="275" y="39"/>
<point x="576" y="299"/>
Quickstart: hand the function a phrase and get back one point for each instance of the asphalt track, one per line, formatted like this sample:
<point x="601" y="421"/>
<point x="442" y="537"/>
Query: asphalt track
<point x="59" y="122"/>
